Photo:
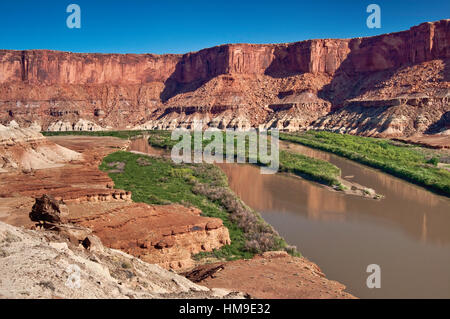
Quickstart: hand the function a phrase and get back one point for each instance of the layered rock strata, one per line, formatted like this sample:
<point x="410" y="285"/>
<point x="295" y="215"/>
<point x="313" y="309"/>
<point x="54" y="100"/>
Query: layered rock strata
<point x="40" y="264"/>
<point x="239" y="86"/>
<point x="27" y="149"/>
<point x="166" y="235"/>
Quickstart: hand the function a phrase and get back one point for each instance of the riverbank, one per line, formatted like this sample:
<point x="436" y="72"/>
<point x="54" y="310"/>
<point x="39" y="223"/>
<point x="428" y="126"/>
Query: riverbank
<point x="316" y="170"/>
<point x="306" y="167"/>
<point x="411" y="163"/>
<point x="409" y="219"/>
<point x="158" y="181"/>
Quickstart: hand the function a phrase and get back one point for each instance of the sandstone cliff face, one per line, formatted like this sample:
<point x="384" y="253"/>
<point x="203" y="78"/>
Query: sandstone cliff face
<point x="231" y="85"/>
<point x="50" y="67"/>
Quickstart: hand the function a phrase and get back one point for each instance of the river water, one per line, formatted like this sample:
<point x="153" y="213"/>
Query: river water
<point x="407" y="233"/>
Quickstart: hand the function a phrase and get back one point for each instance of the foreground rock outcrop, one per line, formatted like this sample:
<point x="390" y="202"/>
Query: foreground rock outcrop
<point x="46" y="209"/>
<point x="166" y="235"/>
<point x="42" y="264"/>
<point x="271" y="275"/>
<point x="81" y="194"/>
<point x="389" y="85"/>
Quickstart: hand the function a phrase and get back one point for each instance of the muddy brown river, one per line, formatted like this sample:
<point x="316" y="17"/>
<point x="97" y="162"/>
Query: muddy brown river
<point x="407" y="233"/>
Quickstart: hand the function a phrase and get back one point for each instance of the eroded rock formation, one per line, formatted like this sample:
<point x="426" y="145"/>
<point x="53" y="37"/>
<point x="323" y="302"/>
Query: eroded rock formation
<point x="289" y="86"/>
<point x="165" y="235"/>
<point x="39" y="264"/>
<point x="27" y="149"/>
<point x="46" y="209"/>
<point x="80" y="194"/>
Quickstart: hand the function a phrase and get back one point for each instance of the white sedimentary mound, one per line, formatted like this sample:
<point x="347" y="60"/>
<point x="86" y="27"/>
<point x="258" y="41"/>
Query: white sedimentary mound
<point x="26" y="148"/>
<point x="39" y="264"/>
<point x="81" y="125"/>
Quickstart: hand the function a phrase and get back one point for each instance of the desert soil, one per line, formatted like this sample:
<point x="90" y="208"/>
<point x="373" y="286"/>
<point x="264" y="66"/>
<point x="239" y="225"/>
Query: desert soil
<point x="269" y="276"/>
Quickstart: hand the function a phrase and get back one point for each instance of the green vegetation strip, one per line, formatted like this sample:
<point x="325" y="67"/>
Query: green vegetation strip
<point x="402" y="160"/>
<point x="119" y="134"/>
<point x="156" y="180"/>
<point x="307" y="167"/>
<point x="310" y="168"/>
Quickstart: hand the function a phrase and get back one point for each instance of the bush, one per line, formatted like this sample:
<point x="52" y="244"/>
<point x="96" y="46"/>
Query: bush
<point x="433" y="161"/>
<point x="259" y="235"/>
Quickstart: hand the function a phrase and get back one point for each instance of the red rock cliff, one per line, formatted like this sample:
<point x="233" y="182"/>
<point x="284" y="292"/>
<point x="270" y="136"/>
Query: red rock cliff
<point x="425" y="42"/>
<point x="53" y="67"/>
<point x="115" y="90"/>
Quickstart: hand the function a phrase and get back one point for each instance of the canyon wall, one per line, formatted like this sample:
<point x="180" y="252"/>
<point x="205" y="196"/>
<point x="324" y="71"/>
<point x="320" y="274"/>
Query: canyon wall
<point x="288" y="86"/>
<point x="42" y="67"/>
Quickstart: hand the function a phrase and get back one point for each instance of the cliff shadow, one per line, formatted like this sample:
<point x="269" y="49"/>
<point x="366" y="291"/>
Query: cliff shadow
<point x="354" y="77"/>
<point x="359" y="72"/>
<point x="282" y="65"/>
<point x="348" y="82"/>
<point x="446" y="71"/>
<point x="349" y="85"/>
<point x="442" y="123"/>
<point x="173" y="86"/>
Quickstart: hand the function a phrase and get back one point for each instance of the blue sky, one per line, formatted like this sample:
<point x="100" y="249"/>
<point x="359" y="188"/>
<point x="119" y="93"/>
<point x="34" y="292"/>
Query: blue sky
<point x="164" y="26"/>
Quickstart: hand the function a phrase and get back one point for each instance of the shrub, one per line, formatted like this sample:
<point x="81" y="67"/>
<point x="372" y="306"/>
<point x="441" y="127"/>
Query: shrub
<point x="259" y="236"/>
<point x="433" y="161"/>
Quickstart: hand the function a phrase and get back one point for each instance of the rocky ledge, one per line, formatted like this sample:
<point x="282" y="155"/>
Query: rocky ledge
<point x="167" y="235"/>
<point x="45" y="264"/>
<point x="271" y="275"/>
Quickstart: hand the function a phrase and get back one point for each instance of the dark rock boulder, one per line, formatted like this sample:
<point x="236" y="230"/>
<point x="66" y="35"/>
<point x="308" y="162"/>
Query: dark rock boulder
<point x="46" y="209"/>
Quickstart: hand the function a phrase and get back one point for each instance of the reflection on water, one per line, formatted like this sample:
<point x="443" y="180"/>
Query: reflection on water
<point x="141" y="145"/>
<point x="407" y="233"/>
<point x="405" y="204"/>
<point x="264" y="193"/>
